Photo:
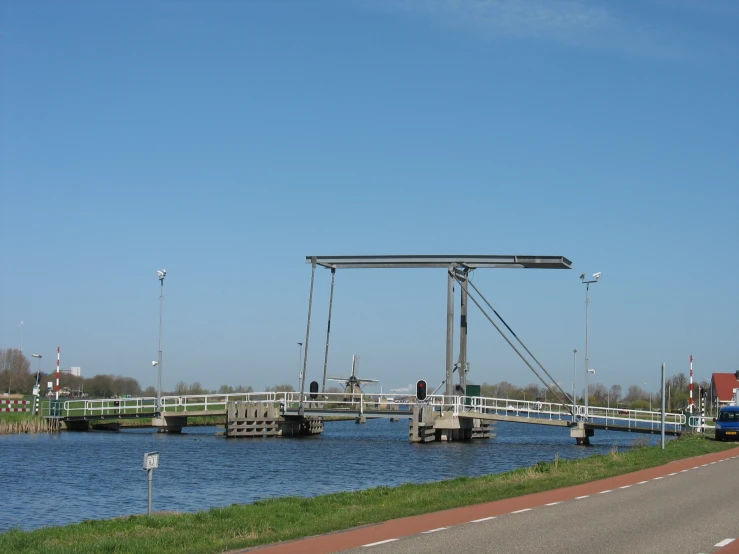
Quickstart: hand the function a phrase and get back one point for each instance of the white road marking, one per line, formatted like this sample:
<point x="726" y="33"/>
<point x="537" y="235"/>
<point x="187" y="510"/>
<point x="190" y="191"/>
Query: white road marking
<point x="553" y="503"/>
<point x="724" y="542"/>
<point x="683" y="470"/>
<point x="712" y="463"/>
<point x="483" y="519"/>
<point x="521" y="511"/>
<point x="604" y="492"/>
<point x="379" y="542"/>
<point x="642" y="482"/>
<point x="671" y="474"/>
<point x="433" y="530"/>
<point x="581" y="497"/>
<point x="696" y="467"/>
<point x="627" y="486"/>
<point x="656" y="478"/>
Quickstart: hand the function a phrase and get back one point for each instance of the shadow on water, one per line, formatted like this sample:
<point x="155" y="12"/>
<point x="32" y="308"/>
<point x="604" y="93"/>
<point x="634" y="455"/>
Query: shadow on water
<point x="69" y="477"/>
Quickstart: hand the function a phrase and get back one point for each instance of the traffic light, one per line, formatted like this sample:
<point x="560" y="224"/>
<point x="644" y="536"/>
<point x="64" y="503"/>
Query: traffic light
<point x="421" y="390"/>
<point x="314" y="390"/>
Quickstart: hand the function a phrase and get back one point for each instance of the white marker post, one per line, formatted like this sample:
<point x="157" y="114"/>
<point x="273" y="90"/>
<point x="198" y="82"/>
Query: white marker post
<point x="663" y="406"/>
<point x="151" y="462"/>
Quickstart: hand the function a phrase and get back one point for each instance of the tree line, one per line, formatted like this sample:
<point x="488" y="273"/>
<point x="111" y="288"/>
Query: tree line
<point x="677" y="390"/>
<point x="17" y="377"/>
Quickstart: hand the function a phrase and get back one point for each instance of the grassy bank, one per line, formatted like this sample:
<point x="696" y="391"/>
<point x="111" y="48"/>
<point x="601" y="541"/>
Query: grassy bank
<point x="221" y="529"/>
<point x="12" y="423"/>
<point x="146" y="421"/>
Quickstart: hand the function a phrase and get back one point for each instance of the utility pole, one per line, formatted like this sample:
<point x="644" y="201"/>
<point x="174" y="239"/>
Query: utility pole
<point x="587" y="282"/>
<point x="160" y="275"/>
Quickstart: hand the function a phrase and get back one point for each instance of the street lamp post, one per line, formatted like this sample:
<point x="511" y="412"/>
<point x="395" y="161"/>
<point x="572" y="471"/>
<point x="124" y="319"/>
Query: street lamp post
<point x="38" y="365"/>
<point x="587" y="281"/>
<point x="160" y="275"/>
<point x="300" y="366"/>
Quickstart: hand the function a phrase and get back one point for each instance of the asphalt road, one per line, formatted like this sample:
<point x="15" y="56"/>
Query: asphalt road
<point x="695" y="510"/>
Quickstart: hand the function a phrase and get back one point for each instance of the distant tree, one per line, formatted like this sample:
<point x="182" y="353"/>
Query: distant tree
<point x="635" y="393"/>
<point x="197" y="388"/>
<point x="225" y="389"/>
<point x="181" y="388"/>
<point x="150" y="391"/>
<point x="128" y="385"/>
<point x="243" y="389"/>
<point x="100" y="386"/>
<point x="15" y="375"/>
<point x="599" y="393"/>
<point x="280" y="388"/>
<point x="678" y="383"/>
<point x="615" y="393"/>
<point x="488" y="390"/>
<point x="533" y="391"/>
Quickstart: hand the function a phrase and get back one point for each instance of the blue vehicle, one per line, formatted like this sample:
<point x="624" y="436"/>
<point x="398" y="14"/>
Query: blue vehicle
<point x="727" y="423"/>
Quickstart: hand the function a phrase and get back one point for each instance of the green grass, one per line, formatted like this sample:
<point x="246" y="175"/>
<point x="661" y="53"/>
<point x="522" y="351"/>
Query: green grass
<point x="198" y="421"/>
<point x="241" y="526"/>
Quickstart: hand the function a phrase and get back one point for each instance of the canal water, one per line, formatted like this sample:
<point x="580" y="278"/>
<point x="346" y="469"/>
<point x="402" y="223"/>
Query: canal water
<point x="70" y="477"/>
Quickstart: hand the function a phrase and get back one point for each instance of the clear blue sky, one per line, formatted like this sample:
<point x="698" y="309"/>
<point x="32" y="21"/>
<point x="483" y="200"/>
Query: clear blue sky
<point x="225" y="141"/>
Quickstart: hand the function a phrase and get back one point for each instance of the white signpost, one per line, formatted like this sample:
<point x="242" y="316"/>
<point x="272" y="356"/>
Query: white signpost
<point x="151" y="462"/>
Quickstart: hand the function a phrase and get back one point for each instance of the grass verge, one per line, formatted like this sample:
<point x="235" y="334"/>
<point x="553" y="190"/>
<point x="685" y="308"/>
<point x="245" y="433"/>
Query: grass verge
<point x="241" y="526"/>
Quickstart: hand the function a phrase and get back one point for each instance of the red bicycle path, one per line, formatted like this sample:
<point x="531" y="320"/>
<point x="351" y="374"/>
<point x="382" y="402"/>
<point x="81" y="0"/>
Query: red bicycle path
<point x="413" y="525"/>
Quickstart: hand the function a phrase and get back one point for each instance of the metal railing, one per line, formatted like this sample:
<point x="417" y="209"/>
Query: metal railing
<point x="361" y="403"/>
<point x="701" y="423"/>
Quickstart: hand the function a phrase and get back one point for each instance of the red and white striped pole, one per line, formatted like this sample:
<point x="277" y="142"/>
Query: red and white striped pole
<point x="690" y="409"/>
<point x="56" y="397"/>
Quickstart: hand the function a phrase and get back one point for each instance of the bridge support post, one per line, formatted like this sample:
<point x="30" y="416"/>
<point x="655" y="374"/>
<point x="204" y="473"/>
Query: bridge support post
<point x="462" y="369"/>
<point x="581" y="434"/>
<point x="449" y="337"/>
<point x="169" y="423"/>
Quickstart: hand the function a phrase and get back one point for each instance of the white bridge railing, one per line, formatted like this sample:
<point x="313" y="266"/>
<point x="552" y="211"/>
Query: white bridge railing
<point x="362" y="403"/>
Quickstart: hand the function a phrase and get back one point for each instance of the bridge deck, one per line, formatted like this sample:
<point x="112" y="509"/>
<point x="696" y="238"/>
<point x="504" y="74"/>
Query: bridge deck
<point x="372" y="406"/>
<point x="143" y="415"/>
<point x="516" y="419"/>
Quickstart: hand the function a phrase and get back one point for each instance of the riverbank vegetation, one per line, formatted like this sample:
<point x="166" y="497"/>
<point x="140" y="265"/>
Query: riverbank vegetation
<point x="242" y="526"/>
<point x="15" y="423"/>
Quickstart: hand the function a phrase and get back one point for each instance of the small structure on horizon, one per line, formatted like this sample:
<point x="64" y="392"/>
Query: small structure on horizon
<point x="352" y="384"/>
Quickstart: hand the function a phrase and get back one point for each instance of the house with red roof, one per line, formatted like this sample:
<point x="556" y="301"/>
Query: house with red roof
<point x="724" y="386"/>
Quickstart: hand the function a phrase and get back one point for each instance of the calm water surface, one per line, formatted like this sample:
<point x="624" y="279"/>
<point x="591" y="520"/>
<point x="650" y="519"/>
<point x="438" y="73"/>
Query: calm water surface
<point x="69" y="477"/>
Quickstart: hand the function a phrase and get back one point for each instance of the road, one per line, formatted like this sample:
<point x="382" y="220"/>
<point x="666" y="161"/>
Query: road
<point x="689" y="506"/>
<point x="688" y="512"/>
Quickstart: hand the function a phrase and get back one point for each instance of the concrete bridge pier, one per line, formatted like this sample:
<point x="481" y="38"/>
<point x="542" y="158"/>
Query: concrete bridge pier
<point x="429" y="426"/>
<point x="453" y="428"/>
<point x="581" y="434"/>
<point x="77" y="425"/>
<point x="169" y="423"/>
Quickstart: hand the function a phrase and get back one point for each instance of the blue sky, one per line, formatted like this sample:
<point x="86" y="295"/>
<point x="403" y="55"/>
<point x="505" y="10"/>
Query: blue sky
<point x="225" y="141"/>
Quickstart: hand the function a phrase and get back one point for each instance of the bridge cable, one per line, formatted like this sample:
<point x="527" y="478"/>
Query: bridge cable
<point x="511" y="344"/>
<point x="522" y="344"/>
